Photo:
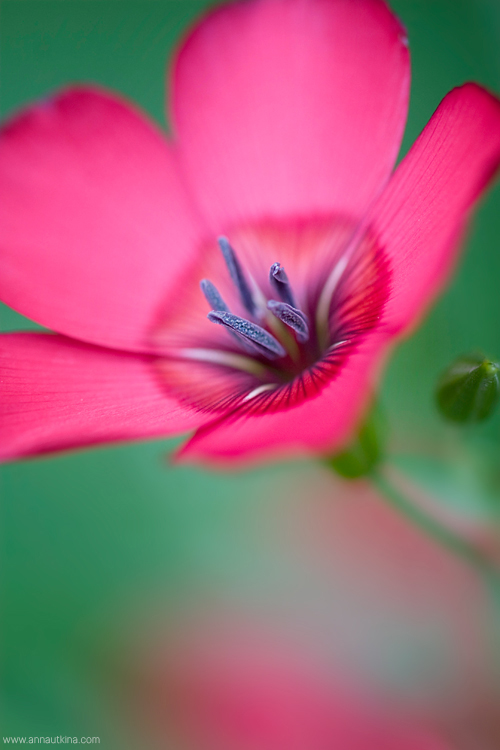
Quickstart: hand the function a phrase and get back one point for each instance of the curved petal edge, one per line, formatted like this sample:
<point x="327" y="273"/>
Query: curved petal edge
<point x="420" y="217"/>
<point x="56" y="393"/>
<point x="96" y="226"/>
<point x="290" y="106"/>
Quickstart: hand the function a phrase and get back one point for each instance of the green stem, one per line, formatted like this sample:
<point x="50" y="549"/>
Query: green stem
<point x="489" y="572"/>
<point x="447" y="538"/>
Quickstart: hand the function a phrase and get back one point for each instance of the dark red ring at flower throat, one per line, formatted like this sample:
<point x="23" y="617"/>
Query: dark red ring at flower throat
<point x="355" y="309"/>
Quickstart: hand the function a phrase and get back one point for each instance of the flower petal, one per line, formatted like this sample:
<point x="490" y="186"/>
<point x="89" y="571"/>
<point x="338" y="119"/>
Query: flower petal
<point x="95" y="227"/>
<point x="290" y="106"/>
<point x="319" y="425"/>
<point x="420" y="216"/>
<point x="57" y="393"/>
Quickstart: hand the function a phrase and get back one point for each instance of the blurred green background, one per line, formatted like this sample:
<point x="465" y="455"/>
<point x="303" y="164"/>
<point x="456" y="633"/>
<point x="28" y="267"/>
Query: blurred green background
<point x="93" y="540"/>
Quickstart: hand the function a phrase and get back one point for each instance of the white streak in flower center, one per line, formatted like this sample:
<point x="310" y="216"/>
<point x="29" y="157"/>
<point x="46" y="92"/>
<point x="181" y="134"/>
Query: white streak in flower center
<point x="325" y="299"/>
<point x="220" y="357"/>
<point x="259" y="390"/>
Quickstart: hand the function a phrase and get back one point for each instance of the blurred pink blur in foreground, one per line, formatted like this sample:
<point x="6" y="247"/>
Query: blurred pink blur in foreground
<point x="230" y="687"/>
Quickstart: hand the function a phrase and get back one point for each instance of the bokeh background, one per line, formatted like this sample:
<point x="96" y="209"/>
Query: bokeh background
<point x="110" y="555"/>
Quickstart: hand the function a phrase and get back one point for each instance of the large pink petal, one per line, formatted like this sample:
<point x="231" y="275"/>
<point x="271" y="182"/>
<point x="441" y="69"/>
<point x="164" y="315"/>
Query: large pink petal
<point x="420" y="216"/>
<point x="290" y="107"/>
<point x="95" y="227"/>
<point x="57" y="393"/>
<point x="319" y="425"/>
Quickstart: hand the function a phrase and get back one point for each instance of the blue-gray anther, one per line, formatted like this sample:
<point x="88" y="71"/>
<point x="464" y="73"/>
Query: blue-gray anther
<point x="237" y="274"/>
<point x="279" y="282"/>
<point x="259" y="337"/>
<point x="291" y="317"/>
<point x="212" y="296"/>
<point x="216" y="302"/>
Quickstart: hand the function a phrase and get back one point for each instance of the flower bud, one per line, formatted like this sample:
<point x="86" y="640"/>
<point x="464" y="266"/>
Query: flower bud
<point x="365" y="451"/>
<point x="468" y="390"/>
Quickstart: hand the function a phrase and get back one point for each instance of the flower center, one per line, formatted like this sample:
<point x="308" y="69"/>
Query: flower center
<point x="273" y="324"/>
<point x="271" y="338"/>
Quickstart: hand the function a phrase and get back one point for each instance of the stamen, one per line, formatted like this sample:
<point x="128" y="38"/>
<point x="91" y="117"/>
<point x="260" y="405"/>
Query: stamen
<point x="237" y="275"/>
<point x="292" y="317"/>
<point x="216" y="302"/>
<point x="212" y="296"/>
<point x="266" y="344"/>
<point x="279" y="280"/>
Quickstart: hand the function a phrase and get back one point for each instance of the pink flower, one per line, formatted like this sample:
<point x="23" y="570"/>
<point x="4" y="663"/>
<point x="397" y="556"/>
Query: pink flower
<point x="234" y="687"/>
<point x="287" y="119"/>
